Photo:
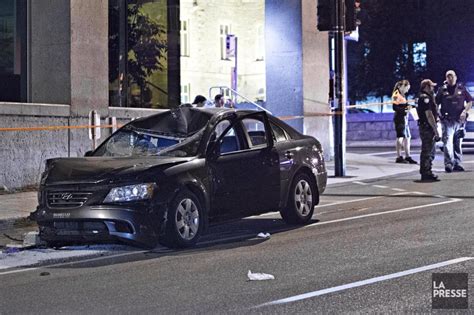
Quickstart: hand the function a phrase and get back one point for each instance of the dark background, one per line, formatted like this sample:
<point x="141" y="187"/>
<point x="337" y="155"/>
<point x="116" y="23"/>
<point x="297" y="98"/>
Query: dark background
<point x="389" y="28"/>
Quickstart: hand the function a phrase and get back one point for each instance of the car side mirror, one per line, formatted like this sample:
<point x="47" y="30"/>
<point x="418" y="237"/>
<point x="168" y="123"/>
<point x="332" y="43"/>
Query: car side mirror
<point x="89" y="153"/>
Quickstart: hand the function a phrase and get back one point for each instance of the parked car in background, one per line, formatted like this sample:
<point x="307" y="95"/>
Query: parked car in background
<point x="164" y="178"/>
<point x="356" y="110"/>
<point x="468" y="141"/>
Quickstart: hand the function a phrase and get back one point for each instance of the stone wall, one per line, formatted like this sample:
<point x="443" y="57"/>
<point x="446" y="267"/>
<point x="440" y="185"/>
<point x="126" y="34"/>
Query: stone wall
<point x="23" y="153"/>
<point x="373" y="127"/>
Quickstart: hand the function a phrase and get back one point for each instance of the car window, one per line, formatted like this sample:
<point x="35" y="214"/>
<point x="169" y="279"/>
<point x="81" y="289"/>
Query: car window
<point x="220" y="128"/>
<point x="278" y="133"/>
<point x="256" y="131"/>
<point x="129" y="142"/>
<point x="228" y="142"/>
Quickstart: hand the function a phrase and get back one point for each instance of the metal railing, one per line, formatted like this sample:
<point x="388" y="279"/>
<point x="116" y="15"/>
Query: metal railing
<point x="235" y="94"/>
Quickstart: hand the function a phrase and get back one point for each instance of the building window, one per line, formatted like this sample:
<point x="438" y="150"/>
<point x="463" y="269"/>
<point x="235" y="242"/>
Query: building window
<point x="141" y="37"/>
<point x="225" y="29"/>
<point x="186" y="93"/>
<point x="260" y="44"/>
<point x="419" y="56"/>
<point x="185" y="38"/>
<point x="13" y="51"/>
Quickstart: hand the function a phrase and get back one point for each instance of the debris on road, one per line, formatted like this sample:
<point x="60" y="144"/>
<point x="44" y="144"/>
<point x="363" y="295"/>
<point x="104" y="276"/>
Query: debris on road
<point x="33" y="239"/>
<point x="263" y="235"/>
<point x="259" y="276"/>
<point x="11" y="250"/>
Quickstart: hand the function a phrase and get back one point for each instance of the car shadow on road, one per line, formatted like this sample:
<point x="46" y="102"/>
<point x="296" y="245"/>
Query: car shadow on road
<point x="222" y="236"/>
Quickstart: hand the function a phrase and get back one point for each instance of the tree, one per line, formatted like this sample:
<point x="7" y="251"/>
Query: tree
<point x="385" y="51"/>
<point x="146" y="43"/>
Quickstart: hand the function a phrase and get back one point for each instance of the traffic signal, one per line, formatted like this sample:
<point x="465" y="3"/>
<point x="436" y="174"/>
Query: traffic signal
<point x="326" y="15"/>
<point x="352" y="9"/>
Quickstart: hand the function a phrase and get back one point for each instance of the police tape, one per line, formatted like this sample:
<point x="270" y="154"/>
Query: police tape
<point x="378" y="104"/>
<point x="57" y="128"/>
<point x="308" y="114"/>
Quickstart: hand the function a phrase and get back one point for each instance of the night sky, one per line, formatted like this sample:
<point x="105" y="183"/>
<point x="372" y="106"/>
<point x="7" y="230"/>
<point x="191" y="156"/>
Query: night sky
<point x="391" y="37"/>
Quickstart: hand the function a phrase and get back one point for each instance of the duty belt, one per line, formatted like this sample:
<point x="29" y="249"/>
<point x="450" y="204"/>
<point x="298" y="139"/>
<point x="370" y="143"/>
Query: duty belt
<point x="423" y="124"/>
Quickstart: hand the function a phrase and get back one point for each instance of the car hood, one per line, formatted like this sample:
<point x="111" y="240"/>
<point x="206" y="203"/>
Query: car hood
<point x="102" y="169"/>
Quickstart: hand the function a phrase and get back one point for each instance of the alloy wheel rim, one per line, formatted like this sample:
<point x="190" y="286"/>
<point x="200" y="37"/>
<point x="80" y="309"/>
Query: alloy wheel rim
<point x="303" y="198"/>
<point x="187" y="219"/>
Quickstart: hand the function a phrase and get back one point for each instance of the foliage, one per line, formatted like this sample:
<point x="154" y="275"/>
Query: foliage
<point x="147" y="45"/>
<point x="384" y="53"/>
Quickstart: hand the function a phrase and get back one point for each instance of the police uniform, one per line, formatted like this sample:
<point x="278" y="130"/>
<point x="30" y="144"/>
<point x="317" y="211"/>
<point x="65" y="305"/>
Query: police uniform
<point x="426" y="102"/>
<point x="451" y="100"/>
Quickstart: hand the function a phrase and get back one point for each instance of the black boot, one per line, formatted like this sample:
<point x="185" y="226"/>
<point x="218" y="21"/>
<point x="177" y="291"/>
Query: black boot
<point x="429" y="178"/>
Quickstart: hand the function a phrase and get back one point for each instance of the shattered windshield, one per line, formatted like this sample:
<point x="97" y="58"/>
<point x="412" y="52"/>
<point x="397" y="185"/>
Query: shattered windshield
<point x="131" y="142"/>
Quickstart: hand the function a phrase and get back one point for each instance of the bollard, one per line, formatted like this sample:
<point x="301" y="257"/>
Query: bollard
<point x="113" y="123"/>
<point x="94" y="132"/>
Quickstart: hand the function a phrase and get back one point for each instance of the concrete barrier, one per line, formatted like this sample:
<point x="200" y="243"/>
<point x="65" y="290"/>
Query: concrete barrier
<point x="376" y="126"/>
<point x="23" y="153"/>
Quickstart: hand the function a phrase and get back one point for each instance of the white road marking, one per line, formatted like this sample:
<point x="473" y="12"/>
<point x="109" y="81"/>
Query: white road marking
<point x="380" y="186"/>
<point x="366" y="282"/>
<point x="347" y="201"/>
<point x="360" y="183"/>
<point x="419" y="193"/>
<point x="398" y="189"/>
<point x="383" y="213"/>
<point x="389" y="152"/>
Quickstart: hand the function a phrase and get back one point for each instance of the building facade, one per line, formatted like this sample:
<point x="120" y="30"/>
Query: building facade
<point x="60" y="59"/>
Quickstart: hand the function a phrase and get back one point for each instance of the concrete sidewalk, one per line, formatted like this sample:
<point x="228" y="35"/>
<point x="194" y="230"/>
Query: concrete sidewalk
<point x="17" y="206"/>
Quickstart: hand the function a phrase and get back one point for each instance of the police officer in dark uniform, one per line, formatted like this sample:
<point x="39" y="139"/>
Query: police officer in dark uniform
<point x="428" y="116"/>
<point x="455" y="101"/>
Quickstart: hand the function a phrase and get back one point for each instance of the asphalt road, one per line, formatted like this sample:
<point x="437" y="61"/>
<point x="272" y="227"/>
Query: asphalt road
<point x="360" y="254"/>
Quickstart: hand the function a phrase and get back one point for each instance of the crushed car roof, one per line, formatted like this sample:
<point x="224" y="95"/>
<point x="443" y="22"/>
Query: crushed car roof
<point x="182" y="121"/>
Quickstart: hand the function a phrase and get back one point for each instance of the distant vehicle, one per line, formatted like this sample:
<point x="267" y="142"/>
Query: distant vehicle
<point x="163" y="178"/>
<point x="468" y="141"/>
<point x="360" y="111"/>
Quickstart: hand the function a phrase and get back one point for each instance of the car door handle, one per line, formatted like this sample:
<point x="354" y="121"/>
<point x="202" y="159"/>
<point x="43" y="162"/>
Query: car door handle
<point x="289" y="155"/>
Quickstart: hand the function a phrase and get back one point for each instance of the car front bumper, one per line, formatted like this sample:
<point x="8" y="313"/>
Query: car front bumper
<point x="100" y="224"/>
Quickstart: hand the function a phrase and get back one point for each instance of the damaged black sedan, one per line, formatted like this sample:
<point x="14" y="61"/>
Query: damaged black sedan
<point x="165" y="177"/>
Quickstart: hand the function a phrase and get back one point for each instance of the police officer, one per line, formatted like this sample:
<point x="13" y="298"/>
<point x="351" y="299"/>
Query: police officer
<point x="428" y="116"/>
<point x="455" y="101"/>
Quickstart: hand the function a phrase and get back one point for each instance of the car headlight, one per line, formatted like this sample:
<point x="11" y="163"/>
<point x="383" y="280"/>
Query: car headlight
<point x="130" y="193"/>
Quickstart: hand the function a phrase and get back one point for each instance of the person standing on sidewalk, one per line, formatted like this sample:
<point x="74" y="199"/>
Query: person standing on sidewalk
<point x="428" y="116"/>
<point x="400" y="107"/>
<point x="455" y="102"/>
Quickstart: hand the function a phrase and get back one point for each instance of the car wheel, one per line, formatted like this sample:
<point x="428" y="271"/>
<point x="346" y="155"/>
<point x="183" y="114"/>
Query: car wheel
<point x="301" y="200"/>
<point x="184" y="222"/>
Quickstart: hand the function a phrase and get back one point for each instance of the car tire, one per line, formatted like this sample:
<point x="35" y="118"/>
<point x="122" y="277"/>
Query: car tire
<point x="301" y="200"/>
<point x="185" y="221"/>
